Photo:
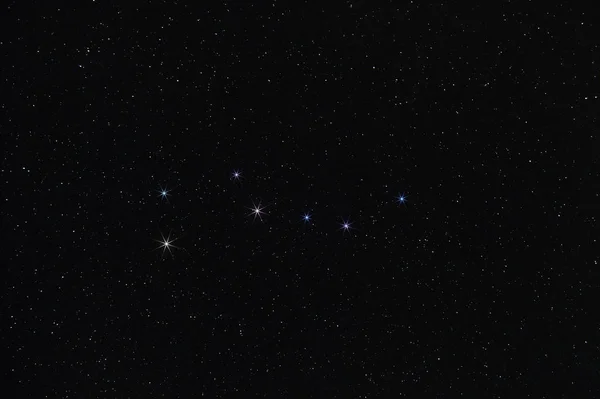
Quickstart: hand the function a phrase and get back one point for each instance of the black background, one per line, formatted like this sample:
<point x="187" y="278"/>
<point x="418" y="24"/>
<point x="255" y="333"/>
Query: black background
<point x="483" y="283"/>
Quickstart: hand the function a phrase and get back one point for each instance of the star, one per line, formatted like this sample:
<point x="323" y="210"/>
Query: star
<point x="166" y="244"/>
<point x="401" y="199"/>
<point x="163" y="193"/>
<point x="257" y="211"/>
<point x="306" y="217"/>
<point x="346" y="225"/>
<point x="236" y="175"/>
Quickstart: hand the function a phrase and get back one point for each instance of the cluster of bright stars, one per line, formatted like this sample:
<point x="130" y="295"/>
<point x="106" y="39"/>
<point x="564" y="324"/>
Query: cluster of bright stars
<point x="257" y="211"/>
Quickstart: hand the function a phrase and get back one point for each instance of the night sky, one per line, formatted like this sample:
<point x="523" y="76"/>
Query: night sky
<point x="299" y="200"/>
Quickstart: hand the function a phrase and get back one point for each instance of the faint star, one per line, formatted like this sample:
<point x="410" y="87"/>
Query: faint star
<point x="166" y="244"/>
<point x="257" y="211"/>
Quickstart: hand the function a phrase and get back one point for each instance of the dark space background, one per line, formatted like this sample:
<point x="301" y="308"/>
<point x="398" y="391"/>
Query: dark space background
<point x="483" y="283"/>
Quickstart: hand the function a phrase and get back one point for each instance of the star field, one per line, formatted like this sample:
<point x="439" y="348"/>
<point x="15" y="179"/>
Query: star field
<point x="312" y="200"/>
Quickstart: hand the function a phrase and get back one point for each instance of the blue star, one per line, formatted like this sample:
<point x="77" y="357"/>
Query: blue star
<point x="163" y="193"/>
<point x="401" y="198"/>
<point x="306" y="217"/>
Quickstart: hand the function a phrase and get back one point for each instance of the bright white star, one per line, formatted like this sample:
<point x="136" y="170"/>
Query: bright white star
<point x="346" y="225"/>
<point x="166" y="244"/>
<point x="236" y="175"/>
<point x="306" y="217"/>
<point x="257" y="211"/>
